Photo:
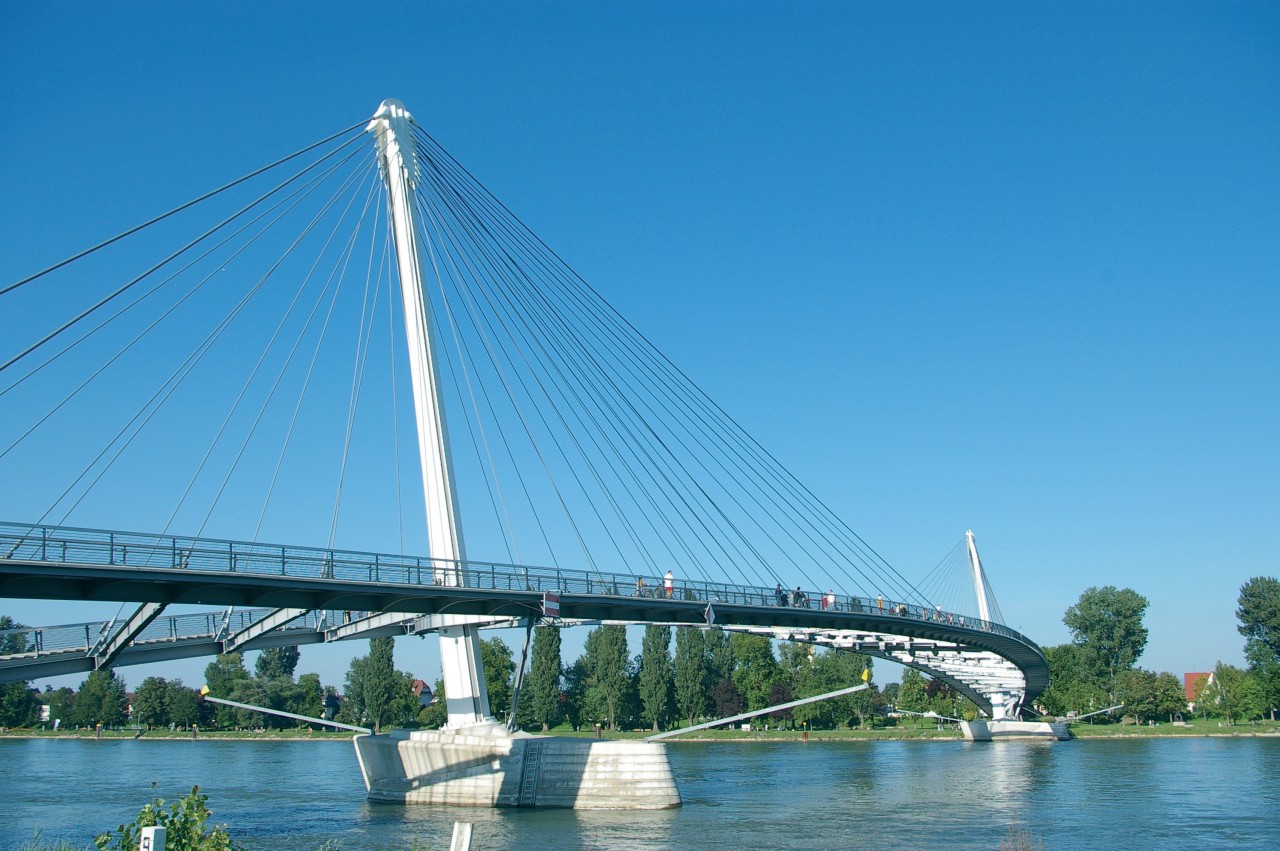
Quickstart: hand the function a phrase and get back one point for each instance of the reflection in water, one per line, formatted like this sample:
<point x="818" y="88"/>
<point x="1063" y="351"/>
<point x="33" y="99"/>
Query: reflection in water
<point x="293" y="796"/>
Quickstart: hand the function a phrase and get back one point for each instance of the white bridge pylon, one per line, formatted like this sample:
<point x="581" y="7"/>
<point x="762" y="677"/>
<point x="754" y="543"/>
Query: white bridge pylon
<point x="465" y="694"/>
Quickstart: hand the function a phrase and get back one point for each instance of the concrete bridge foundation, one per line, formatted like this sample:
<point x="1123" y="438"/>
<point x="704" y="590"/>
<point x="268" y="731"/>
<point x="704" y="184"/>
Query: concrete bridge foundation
<point x="487" y="767"/>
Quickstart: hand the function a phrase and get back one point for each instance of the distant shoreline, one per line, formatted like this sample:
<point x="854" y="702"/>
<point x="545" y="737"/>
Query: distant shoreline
<point x="735" y="736"/>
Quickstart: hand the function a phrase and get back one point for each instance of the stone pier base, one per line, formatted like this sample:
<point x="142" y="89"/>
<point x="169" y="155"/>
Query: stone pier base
<point x="988" y="731"/>
<point x="494" y="769"/>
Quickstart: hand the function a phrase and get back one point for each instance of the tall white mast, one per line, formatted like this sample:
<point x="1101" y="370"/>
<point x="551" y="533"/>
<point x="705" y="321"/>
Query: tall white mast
<point x="979" y="586"/>
<point x="464" y="686"/>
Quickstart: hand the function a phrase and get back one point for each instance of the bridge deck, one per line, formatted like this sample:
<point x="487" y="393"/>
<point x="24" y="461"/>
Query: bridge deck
<point x="44" y="562"/>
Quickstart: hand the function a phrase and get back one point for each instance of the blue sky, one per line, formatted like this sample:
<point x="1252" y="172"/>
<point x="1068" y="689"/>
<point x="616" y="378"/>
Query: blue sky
<point x="958" y="266"/>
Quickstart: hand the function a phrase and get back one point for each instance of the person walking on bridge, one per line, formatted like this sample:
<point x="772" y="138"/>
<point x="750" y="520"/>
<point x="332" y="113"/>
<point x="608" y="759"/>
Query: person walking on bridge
<point x="669" y="583"/>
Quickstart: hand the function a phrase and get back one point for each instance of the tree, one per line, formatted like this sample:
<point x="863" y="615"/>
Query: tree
<point x="1107" y="624"/>
<point x="656" y="676"/>
<point x="225" y="676"/>
<point x="499" y="672"/>
<point x="606" y="665"/>
<point x="728" y="699"/>
<point x="692" y="672"/>
<point x="1233" y="694"/>
<point x="151" y="702"/>
<point x="308" y="696"/>
<point x="575" y="693"/>
<point x="101" y="700"/>
<point x="719" y="656"/>
<point x="755" y="670"/>
<point x="912" y="694"/>
<point x="184" y="704"/>
<point x="1170" y="699"/>
<point x="373" y="685"/>
<point x="62" y="705"/>
<point x="275" y="662"/>
<point x="1259" y="615"/>
<point x="18" y="703"/>
<point x="543" y="683"/>
<point x="13" y="638"/>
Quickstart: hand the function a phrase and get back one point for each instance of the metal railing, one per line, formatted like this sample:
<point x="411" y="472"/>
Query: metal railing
<point x="70" y="545"/>
<point x="37" y="642"/>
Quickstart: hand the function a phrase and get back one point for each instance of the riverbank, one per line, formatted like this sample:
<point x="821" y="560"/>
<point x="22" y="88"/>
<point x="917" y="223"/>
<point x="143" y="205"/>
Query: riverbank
<point x="1191" y="729"/>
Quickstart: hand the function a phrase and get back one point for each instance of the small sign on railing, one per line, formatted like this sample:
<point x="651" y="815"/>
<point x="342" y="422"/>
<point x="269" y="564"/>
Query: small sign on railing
<point x="550" y="605"/>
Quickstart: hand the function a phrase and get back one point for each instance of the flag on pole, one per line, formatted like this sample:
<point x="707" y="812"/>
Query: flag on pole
<point x="550" y="605"/>
<point x="866" y="675"/>
<point x="204" y="689"/>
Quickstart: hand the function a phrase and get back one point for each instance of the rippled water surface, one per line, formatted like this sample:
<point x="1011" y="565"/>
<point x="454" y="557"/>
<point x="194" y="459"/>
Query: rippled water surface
<point x="1159" y="793"/>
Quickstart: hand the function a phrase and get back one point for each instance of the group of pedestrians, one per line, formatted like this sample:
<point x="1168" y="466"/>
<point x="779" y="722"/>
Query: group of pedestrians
<point x="668" y="586"/>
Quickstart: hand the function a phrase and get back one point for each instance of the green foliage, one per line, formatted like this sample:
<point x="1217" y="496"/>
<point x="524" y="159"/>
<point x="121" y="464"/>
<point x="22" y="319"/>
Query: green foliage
<point x="224" y="676"/>
<point x="542" y="686"/>
<point x="755" y="669"/>
<point x="1233" y="694"/>
<point x="607" y="676"/>
<point x="1259" y="615"/>
<point x="19" y="706"/>
<point x="436" y="715"/>
<point x="692" y="673"/>
<point x="151" y="702"/>
<point x="575" y="694"/>
<point x="912" y="694"/>
<point x="656" y="681"/>
<point x="499" y="675"/>
<point x="184" y="823"/>
<point x="831" y="670"/>
<point x="1106" y="623"/>
<point x="373" y="685"/>
<point x="184" y="705"/>
<point x="719" y="655"/>
<point x="277" y="662"/>
<point x="12" y="638"/>
<point x="62" y="705"/>
<point x="101" y="700"/>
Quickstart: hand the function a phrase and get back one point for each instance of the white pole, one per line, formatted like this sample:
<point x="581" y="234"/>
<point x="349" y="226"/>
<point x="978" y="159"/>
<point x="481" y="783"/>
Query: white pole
<point x="979" y="587"/>
<point x="464" y="686"/>
<point x="461" y="836"/>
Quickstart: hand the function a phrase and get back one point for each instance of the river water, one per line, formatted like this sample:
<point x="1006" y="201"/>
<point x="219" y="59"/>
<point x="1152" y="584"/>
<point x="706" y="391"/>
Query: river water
<point x="1160" y="793"/>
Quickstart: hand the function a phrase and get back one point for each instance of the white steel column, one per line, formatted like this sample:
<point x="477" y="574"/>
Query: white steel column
<point x="464" y="685"/>
<point x="979" y="587"/>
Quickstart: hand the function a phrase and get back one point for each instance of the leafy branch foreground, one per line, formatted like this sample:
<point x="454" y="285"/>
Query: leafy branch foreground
<point x="183" y="822"/>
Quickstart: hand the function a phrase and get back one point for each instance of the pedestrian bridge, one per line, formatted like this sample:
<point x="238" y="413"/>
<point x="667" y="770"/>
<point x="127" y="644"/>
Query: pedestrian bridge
<point x="245" y="354"/>
<point x="281" y="594"/>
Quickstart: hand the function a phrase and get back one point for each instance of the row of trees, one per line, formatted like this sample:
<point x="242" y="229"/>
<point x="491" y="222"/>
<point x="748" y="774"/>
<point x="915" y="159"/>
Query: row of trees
<point x="1098" y="668"/>
<point x="711" y="674"/>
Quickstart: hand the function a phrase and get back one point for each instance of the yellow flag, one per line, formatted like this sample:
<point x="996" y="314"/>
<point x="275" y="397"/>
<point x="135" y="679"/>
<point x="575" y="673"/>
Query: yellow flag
<point x="204" y="689"/>
<point x="866" y="675"/>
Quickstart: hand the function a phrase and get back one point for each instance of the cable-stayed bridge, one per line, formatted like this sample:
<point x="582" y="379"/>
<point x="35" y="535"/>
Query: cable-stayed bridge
<point x="237" y="367"/>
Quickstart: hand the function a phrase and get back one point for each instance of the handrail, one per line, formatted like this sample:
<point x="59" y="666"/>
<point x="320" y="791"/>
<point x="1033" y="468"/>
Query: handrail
<point x="59" y="544"/>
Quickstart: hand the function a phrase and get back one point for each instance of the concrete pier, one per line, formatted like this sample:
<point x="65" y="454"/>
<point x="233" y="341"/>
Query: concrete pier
<point x="990" y="731"/>
<point x="464" y="768"/>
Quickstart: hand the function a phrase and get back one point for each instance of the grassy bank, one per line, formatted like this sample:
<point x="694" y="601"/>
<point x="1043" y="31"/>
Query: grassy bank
<point x="907" y="732"/>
